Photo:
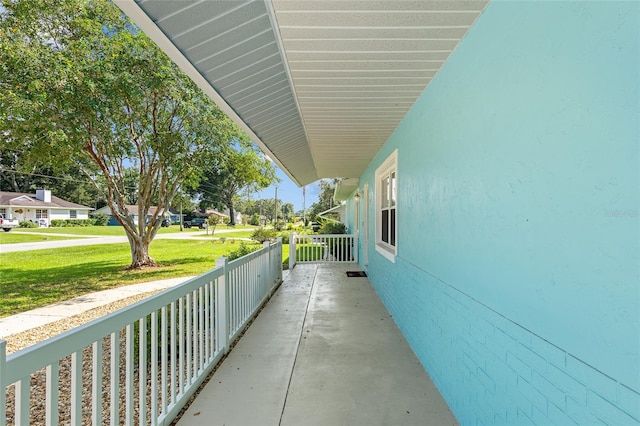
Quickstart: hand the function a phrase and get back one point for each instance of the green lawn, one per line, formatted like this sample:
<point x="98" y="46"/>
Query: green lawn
<point x="228" y="234"/>
<point x="308" y="252"/>
<point x="41" y="277"/>
<point x="13" y="237"/>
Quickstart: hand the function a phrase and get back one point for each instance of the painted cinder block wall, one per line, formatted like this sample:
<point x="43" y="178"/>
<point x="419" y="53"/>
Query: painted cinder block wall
<point x="517" y="280"/>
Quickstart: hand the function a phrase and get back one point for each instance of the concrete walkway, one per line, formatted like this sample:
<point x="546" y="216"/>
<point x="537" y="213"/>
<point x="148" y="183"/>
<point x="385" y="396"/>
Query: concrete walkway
<point x="324" y="351"/>
<point x="52" y="313"/>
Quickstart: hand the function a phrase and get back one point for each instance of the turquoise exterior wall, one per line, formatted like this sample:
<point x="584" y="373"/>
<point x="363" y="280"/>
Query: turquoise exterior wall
<point x="517" y="280"/>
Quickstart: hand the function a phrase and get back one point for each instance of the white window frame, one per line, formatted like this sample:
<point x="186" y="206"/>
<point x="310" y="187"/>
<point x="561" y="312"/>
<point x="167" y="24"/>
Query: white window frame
<point x="387" y="172"/>
<point x="3" y="211"/>
<point x="73" y="214"/>
<point x="42" y="214"/>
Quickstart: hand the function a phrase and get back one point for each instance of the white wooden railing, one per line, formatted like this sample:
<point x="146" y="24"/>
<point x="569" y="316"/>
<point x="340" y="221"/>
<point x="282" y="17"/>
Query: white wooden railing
<point x="141" y="364"/>
<point x="322" y="248"/>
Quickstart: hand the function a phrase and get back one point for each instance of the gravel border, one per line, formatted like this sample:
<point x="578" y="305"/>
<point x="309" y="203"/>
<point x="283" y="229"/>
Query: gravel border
<point x="19" y="341"/>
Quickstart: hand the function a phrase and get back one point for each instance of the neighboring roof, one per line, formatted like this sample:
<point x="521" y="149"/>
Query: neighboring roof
<point x="345" y="188"/>
<point x="318" y="85"/>
<point x="21" y="199"/>
<point x="338" y="210"/>
<point x="216" y="213"/>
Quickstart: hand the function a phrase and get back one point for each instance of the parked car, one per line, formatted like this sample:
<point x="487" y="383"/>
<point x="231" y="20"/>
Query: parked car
<point x="8" y="224"/>
<point x="166" y="223"/>
<point x="196" y="222"/>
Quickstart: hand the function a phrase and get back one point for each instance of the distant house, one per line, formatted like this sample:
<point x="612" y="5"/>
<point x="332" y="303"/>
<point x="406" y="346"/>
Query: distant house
<point x="238" y="216"/>
<point x="133" y="212"/>
<point x="41" y="207"/>
<point x="225" y="215"/>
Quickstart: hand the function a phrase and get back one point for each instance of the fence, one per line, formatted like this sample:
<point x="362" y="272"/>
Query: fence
<point x="141" y="364"/>
<point x="322" y="248"/>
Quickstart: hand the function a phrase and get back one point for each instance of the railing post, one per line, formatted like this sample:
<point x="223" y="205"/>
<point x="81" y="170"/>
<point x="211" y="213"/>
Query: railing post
<point x="278" y="274"/>
<point x="268" y="274"/>
<point x="222" y="307"/>
<point x="292" y="251"/>
<point x="3" y="384"/>
<point x="356" y="246"/>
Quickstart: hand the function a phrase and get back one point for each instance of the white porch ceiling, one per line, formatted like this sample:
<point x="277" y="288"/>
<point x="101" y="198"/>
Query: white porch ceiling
<point x="319" y="85"/>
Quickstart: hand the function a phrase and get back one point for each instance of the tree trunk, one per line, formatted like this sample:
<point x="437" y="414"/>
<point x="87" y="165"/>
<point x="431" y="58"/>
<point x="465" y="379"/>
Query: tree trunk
<point x="140" y="253"/>
<point x="232" y="214"/>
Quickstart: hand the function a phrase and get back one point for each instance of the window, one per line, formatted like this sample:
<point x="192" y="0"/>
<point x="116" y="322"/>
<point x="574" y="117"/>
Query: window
<point x="41" y="214"/>
<point x="3" y="211"/>
<point x="386" y="207"/>
<point x="73" y="214"/>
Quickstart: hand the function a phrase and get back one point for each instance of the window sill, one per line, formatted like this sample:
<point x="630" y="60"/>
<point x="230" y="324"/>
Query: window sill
<point x="386" y="252"/>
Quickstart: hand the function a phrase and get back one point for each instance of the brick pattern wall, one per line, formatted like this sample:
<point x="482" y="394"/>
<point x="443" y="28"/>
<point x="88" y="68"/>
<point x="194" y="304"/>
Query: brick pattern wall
<point x="488" y="368"/>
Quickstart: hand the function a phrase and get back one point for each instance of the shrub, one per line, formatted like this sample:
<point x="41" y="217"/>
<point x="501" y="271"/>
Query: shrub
<point x="341" y="249"/>
<point x="332" y="228"/>
<point x="261" y="235"/>
<point x="100" y="219"/>
<point x="243" y="250"/>
<point x="285" y="237"/>
<point x="66" y="223"/>
<point x="27" y="224"/>
<point x="254" y="220"/>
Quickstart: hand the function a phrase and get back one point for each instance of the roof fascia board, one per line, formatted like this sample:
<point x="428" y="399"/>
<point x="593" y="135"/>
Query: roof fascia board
<point x="142" y="20"/>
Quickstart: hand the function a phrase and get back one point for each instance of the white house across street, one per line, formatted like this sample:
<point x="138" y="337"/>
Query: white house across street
<point x="41" y="207"/>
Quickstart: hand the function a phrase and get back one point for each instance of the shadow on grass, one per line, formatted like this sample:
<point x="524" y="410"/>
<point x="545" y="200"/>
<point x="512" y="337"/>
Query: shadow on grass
<point x="23" y="290"/>
<point x="33" y="280"/>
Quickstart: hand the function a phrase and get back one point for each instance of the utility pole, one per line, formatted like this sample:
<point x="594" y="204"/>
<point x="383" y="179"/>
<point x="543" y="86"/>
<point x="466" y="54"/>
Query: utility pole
<point x="276" y="208"/>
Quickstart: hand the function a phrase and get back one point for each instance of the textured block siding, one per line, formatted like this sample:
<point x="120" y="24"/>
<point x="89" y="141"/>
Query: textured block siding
<point x="489" y="369"/>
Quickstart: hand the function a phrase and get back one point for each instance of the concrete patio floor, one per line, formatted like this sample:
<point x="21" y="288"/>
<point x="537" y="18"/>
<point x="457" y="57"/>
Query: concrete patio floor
<point x="324" y="351"/>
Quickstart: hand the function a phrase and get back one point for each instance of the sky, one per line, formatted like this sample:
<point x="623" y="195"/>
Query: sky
<point x="289" y="192"/>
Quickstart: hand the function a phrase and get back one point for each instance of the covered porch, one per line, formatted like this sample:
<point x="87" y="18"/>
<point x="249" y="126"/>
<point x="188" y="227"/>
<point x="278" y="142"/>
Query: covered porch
<point x="323" y="351"/>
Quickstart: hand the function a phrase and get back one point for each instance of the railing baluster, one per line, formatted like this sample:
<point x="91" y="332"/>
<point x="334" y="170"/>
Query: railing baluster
<point x="174" y="353"/>
<point x="212" y="319"/>
<point x="128" y="378"/>
<point x="96" y="383"/>
<point x="207" y="321"/>
<point x="115" y="379"/>
<point x="163" y="361"/>
<point x="194" y="337"/>
<point x="188" y="337"/>
<point x="142" y="371"/>
<point x="22" y="403"/>
<point x="51" y="394"/>
<point x="76" y="388"/>
<point x="154" y="368"/>
<point x="182" y="350"/>
<point x="201" y="328"/>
